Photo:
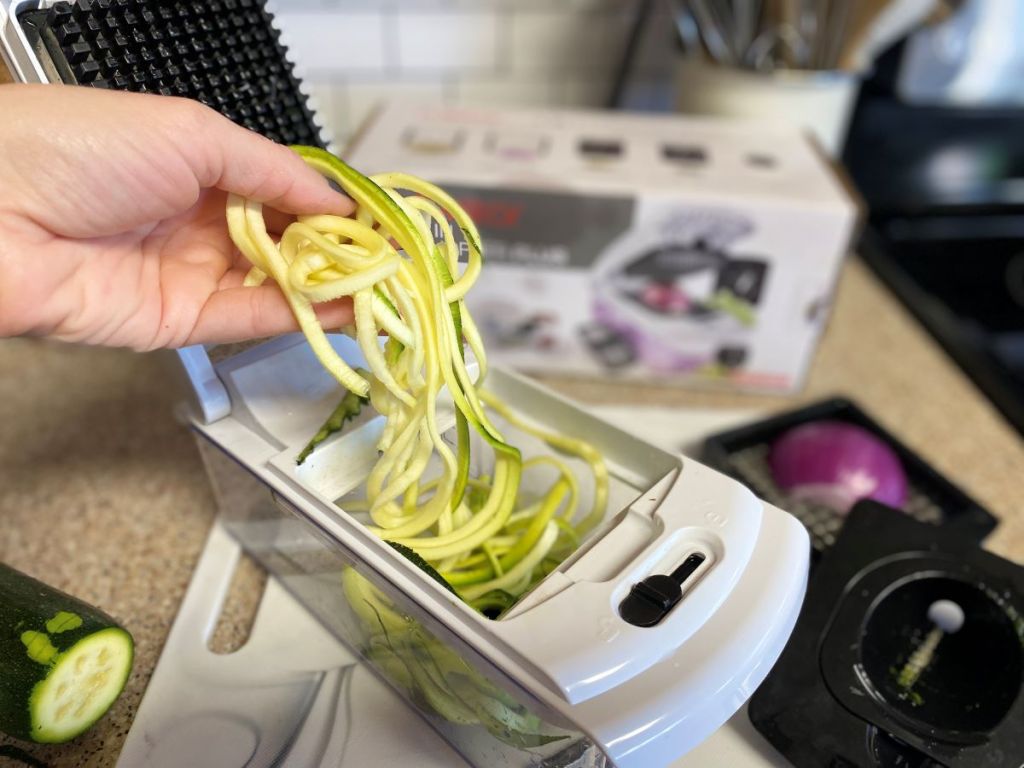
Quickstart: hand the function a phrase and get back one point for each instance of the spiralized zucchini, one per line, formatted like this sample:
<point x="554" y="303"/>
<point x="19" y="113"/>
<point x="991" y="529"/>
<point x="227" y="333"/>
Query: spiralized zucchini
<point x="398" y="259"/>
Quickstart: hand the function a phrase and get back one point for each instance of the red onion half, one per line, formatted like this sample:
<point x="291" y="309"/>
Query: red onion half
<point x="837" y="464"/>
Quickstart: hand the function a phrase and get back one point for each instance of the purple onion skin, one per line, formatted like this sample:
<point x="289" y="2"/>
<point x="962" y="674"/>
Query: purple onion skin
<point x="837" y="464"/>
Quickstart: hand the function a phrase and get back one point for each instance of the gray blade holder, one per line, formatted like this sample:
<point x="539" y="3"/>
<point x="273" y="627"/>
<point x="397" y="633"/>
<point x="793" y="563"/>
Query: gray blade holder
<point x="284" y="699"/>
<point x="642" y="696"/>
<point x="393" y="735"/>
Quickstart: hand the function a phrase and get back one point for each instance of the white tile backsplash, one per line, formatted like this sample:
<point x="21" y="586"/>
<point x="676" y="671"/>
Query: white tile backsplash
<point x="342" y="6"/>
<point x="582" y="92"/>
<point x="335" y="42"/>
<point x="448" y="41"/>
<point x="505" y="91"/>
<point x="545" y="53"/>
<point x="559" y="40"/>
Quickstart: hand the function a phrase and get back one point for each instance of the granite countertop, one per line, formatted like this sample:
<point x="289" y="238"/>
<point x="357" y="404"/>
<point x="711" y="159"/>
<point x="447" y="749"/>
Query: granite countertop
<point x="102" y="493"/>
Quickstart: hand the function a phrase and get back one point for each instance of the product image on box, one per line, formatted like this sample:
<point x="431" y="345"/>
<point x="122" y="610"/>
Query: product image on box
<point x="680" y="304"/>
<point x="506" y="327"/>
<point x="433" y="140"/>
<point x="525" y="147"/>
<point x="595" y="151"/>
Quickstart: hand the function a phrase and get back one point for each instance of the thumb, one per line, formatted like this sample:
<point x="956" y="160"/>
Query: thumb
<point x="235" y="159"/>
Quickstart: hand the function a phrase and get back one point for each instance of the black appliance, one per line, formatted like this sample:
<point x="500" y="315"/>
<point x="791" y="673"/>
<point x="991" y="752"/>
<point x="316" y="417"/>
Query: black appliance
<point x="944" y="186"/>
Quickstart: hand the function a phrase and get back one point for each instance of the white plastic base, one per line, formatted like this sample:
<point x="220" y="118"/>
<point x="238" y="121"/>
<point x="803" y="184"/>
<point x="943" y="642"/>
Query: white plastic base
<point x="284" y="698"/>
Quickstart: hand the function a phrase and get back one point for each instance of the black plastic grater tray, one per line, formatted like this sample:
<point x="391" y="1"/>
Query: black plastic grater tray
<point x="225" y="53"/>
<point x="931" y="498"/>
<point x="834" y="698"/>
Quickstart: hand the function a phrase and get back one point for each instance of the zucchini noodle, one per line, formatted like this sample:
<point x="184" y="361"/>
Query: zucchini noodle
<point x="398" y="259"/>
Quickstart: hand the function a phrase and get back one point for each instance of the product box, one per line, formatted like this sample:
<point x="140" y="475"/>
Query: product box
<point x="654" y="247"/>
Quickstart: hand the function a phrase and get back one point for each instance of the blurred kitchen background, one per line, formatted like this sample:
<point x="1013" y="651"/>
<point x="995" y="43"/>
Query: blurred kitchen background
<point x="919" y="100"/>
<point x="715" y="222"/>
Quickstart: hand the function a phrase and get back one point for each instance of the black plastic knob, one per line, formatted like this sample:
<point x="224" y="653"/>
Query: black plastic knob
<point x="649" y="601"/>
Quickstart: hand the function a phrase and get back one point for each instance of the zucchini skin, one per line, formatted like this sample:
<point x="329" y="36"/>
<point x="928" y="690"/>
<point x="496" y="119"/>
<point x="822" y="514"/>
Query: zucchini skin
<point x="26" y="605"/>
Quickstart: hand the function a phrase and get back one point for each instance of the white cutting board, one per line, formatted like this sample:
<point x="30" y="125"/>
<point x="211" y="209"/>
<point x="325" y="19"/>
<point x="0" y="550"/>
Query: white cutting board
<point x="283" y="699"/>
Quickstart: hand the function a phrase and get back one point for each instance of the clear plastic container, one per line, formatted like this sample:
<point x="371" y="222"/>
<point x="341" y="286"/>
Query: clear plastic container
<point x="502" y="724"/>
<point x="561" y="678"/>
<point x="484" y="713"/>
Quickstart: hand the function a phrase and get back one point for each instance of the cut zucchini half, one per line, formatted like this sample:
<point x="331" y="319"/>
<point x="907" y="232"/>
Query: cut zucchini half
<point x="62" y="661"/>
<point x="83" y="682"/>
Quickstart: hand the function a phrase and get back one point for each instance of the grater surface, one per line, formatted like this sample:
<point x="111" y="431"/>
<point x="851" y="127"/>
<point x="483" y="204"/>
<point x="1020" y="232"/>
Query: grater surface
<point x="226" y="54"/>
<point x="820" y="521"/>
<point x="743" y="452"/>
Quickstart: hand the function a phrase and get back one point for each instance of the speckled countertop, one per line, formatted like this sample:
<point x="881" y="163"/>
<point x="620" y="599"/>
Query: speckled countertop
<point x="102" y="493"/>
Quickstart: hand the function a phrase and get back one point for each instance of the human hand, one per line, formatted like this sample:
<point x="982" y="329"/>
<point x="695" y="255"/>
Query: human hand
<point x="112" y="226"/>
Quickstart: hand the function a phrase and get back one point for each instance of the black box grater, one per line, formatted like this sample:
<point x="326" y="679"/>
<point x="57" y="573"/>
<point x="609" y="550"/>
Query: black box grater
<point x="226" y="54"/>
<point x="931" y="497"/>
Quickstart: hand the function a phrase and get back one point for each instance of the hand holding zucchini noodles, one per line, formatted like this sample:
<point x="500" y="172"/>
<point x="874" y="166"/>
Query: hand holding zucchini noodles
<point x="398" y="258"/>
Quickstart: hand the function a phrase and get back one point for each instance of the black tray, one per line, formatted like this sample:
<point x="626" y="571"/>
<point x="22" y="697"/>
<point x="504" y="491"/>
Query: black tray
<point x="931" y="498"/>
<point x="833" y="698"/>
